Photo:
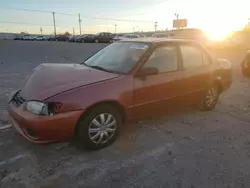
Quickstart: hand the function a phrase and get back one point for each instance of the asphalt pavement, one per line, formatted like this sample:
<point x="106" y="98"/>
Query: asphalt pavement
<point x="188" y="149"/>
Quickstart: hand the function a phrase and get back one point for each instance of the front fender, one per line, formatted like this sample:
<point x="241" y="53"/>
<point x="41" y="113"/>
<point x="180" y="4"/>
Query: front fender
<point x="119" y="90"/>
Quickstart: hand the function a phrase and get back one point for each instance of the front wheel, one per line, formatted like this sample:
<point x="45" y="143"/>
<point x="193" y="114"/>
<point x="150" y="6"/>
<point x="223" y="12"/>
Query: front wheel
<point x="99" y="128"/>
<point x="210" y="99"/>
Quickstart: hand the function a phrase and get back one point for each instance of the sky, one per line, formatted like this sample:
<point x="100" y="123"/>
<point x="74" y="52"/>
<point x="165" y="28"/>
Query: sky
<point x="215" y="17"/>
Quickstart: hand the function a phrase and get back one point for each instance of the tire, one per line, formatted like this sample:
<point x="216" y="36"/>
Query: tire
<point x="89" y="134"/>
<point x="96" y="41"/>
<point x="210" y="98"/>
<point x="245" y="72"/>
<point x="83" y="41"/>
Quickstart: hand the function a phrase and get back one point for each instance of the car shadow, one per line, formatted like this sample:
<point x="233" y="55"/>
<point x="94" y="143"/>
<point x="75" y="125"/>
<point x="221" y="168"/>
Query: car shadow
<point x="127" y="137"/>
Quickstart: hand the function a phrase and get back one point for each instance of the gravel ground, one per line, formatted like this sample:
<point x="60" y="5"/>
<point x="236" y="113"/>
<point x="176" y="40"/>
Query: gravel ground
<point x="188" y="149"/>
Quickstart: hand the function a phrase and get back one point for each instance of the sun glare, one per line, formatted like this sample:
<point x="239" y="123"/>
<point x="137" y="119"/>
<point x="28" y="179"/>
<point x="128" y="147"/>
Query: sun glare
<point x="217" y="35"/>
<point x="214" y="17"/>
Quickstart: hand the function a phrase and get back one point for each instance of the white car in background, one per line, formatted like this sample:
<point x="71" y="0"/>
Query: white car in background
<point x="26" y="37"/>
<point x="29" y="37"/>
<point x="160" y="35"/>
<point x="40" y="38"/>
<point x="125" y="37"/>
<point x="9" y="37"/>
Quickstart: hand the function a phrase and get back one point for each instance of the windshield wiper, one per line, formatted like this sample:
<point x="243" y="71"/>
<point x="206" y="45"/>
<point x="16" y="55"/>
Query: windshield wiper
<point x="99" y="68"/>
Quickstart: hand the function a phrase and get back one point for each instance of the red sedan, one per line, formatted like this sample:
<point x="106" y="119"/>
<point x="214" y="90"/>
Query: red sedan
<point x="128" y="80"/>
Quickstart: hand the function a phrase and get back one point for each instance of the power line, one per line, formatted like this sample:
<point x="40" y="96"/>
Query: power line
<point x="114" y="19"/>
<point x="86" y="16"/>
<point x="28" y="10"/>
<point x="24" y="23"/>
<point x="42" y="11"/>
<point x="28" y="23"/>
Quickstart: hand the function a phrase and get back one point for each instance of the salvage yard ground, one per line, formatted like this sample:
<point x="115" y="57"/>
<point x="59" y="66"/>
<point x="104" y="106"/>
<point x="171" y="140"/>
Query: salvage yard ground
<point x="189" y="149"/>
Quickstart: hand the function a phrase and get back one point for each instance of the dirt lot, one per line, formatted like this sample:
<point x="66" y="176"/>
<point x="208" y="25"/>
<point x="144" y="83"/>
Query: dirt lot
<point x="190" y="149"/>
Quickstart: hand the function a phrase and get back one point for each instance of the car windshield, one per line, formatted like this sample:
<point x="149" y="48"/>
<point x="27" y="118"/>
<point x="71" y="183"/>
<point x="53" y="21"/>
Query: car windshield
<point x="118" y="57"/>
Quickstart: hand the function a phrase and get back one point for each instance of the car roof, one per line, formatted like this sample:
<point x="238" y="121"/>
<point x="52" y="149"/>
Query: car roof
<point x="158" y="40"/>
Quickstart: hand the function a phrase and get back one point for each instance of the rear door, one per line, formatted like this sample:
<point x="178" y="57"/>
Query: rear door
<point x="196" y="68"/>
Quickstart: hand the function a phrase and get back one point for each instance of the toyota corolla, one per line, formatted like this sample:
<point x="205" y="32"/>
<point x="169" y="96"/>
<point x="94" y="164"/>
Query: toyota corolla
<point x="127" y="80"/>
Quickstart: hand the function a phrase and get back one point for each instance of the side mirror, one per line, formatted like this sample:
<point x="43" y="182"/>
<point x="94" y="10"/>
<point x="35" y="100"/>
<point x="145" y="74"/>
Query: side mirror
<point x="147" y="71"/>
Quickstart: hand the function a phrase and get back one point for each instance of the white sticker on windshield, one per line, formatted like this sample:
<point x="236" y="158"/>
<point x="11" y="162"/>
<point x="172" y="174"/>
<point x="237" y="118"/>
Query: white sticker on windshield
<point x="139" y="46"/>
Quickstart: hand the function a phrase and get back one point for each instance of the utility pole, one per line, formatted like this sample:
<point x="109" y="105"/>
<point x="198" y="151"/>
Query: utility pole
<point x="177" y="16"/>
<point x="74" y="34"/>
<point x="53" y="13"/>
<point x="133" y="26"/>
<point x="41" y="30"/>
<point x="115" y="28"/>
<point x="80" y="23"/>
<point x="156" y="25"/>
<point x="137" y="29"/>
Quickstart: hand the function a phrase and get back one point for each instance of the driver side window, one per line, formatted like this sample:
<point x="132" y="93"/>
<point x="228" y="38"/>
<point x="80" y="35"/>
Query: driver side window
<point x="164" y="58"/>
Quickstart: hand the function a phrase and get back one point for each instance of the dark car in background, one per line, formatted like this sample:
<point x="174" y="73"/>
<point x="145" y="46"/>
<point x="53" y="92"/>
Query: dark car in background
<point x="137" y="78"/>
<point x="62" y="38"/>
<point x="85" y="38"/>
<point x="104" y="37"/>
<point x="51" y="38"/>
<point x="18" y="37"/>
<point x="73" y="38"/>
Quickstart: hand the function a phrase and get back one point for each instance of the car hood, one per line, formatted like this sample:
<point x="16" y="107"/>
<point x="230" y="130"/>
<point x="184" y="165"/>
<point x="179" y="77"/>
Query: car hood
<point x="51" y="79"/>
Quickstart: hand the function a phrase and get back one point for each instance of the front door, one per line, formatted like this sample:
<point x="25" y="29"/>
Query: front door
<point x="154" y="94"/>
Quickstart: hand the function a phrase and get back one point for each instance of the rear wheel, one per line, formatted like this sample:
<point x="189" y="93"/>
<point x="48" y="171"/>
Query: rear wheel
<point x="245" y="71"/>
<point x="100" y="127"/>
<point x="210" y="99"/>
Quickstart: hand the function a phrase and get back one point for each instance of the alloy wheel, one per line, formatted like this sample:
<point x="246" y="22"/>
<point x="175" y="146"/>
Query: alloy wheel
<point x="212" y="96"/>
<point x="102" y="128"/>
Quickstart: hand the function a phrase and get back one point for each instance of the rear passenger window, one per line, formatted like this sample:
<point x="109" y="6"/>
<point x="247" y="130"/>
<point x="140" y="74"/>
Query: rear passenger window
<point x="191" y="56"/>
<point x="206" y="58"/>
